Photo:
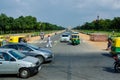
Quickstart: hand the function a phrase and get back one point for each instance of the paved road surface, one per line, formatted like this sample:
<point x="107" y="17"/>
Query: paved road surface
<point x="81" y="62"/>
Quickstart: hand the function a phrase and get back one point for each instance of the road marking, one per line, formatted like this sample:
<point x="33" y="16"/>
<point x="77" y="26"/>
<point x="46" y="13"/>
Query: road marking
<point x="42" y="42"/>
<point x="55" y="42"/>
<point x="83" y="41"/>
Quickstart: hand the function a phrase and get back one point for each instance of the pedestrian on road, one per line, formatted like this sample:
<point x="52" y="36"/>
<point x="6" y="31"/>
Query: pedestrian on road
<point x="49" y="42"/>
<point x="42" y="35"/>
<point x="109" y="45"/>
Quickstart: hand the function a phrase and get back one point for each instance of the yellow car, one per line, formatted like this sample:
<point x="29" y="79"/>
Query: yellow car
<point x="17" y="39"/>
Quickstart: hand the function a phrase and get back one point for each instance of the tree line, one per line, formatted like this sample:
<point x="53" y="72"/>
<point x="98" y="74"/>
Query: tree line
<point x="24" y="24"/>
<point x="102" y="24"/>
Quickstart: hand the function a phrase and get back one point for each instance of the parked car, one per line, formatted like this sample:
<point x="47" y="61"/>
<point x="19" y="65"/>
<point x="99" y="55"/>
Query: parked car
<point x="43" y="54"/>
<point x="14" y="62"/>
<point x="65" y="37"/>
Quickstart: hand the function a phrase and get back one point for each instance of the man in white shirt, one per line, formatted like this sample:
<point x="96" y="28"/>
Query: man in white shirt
<point x="49" y="42"/>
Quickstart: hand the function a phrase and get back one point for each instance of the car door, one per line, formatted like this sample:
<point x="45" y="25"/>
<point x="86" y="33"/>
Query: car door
<point x="25" y="50"/>
<point x="6" y="65"/>
<point x="1" y="63"/>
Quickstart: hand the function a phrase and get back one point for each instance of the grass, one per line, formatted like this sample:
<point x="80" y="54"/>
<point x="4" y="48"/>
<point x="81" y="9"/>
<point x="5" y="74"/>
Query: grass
<point x="45" y="32"/>
<point x="108" y="33"/>
<point x="32" y="34"/>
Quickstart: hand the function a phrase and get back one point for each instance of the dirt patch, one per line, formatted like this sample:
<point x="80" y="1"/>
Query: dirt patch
<point x="99" y="45"/>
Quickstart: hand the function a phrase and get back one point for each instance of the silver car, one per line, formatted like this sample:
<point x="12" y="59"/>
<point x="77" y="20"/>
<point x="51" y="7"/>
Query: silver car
<point x="14" y="62"/>
<point x="43" y="54"/>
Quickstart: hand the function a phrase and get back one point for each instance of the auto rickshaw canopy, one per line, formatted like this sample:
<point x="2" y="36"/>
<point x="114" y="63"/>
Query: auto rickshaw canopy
<point x="116" y="42"/>
<point x="16" y="39"/>
<point x="74" y="36"/>
<point x="115" y="49"/>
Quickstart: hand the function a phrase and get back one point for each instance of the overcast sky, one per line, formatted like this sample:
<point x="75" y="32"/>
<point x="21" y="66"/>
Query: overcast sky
<point x="62" y="12"/>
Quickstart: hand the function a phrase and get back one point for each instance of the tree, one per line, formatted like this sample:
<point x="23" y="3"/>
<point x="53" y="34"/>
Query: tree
<point x="116" y="23"/>
<point x="24" y="24"/>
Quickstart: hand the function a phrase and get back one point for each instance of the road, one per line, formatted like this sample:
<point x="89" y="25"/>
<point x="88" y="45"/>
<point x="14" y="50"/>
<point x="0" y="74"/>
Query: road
<point x="81" y="62"/>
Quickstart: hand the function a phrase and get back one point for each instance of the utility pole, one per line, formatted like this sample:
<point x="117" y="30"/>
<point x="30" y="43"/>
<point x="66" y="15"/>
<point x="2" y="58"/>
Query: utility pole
<point x="97" y="23"/>
<point x="98" y="17"/>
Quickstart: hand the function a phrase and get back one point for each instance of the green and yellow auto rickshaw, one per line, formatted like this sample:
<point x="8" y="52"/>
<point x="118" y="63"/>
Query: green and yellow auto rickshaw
<point x="17" y="39"/>
<point x="75" y="39"/>
<point x="115" y="49"/>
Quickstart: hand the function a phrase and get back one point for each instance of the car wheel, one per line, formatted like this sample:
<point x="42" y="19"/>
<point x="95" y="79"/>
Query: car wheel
<point x="24" y="73"/>
<point x="40" y="58"/>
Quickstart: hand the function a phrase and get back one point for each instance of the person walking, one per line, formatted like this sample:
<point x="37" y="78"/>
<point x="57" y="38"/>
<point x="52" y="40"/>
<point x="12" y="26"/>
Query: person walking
<point x="49" y="42"/>
<point x="109" y="45"/>
<point x="42" y="35"/>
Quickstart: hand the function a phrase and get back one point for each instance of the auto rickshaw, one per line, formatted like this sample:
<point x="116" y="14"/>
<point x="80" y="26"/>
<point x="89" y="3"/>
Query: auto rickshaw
<point x="115" y="49"/>
<point x="17" y="39"/>
<point x="75" y="39"/>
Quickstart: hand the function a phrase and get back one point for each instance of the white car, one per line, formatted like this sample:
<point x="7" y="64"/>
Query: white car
<point x="65" y="38"/>
<point x="14" y="62"/>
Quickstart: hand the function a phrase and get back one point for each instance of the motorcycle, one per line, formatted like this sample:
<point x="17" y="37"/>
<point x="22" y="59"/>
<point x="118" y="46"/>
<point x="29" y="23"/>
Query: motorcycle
<point x="117" y="63"/>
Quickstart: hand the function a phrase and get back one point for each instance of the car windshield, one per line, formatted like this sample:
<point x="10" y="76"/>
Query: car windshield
<point x="75" y="36"/>
<point x="33" y="46"/>
<point x="17" y="54"/>
<point x="64" y="35"/>
<point x="75" y="33"/>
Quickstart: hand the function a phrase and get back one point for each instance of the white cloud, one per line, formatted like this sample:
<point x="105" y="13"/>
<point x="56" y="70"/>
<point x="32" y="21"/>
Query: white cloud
<point x="59" y="11"/>
<point x="116" y="4"/>
<point x="110" y="4"/>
